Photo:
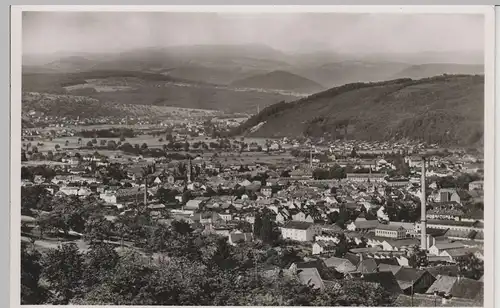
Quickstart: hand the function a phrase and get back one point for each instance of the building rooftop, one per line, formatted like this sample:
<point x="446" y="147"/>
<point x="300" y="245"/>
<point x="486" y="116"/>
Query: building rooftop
<point x="385" y="279"/>
<point x="300" y="225"/>
<point x="470" y="224"/>
<point x="468" y="289"/>
<point x="367" y="224"/>
<point x="340" y="264"/>
<point x="442" y="284"/>
<point x="310" y="276"/>
<point x="382" y="267"/>
<point x="427" y="300"/>
<point x="444" y="270"/>
<point x="409" y="274"/>
<point x="449" y="245"/>
<point x="389" y="227"/>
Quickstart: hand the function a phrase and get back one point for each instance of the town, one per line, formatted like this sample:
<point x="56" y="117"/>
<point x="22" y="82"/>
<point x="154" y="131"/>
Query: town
<point x="401" y="221"/>
<point x="316" y="157"/>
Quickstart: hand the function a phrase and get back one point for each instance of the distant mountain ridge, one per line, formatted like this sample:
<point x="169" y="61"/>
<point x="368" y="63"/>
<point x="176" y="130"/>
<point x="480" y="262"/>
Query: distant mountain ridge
<point x="234" y="78"/>
<point x="224" y="64"/>
<point x="442" y="109"/>
<point x="279" y="80"/>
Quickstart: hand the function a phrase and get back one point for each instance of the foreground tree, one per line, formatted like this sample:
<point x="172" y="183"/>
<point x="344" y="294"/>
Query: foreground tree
<point x="63" y="269"/>
<point x="181" y="227"/>
<point x="99" y="262"/>
<point x="98" y="229"/>
<point x="471" y="267"/>
<point x="32" y="293"/>
<point x="350" y="292"/>
<point x="418" y="258"/>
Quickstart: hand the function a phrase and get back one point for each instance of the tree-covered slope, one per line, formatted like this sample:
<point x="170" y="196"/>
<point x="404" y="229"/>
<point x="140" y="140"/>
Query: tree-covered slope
<point x="444" y="109"/>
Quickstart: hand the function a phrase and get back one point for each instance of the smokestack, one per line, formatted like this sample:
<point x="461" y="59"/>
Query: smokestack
<point x="146" y="191"/>
<point x="423" y="220"/>
<point x="311" y="159"/>
<point x="189" y="171"/>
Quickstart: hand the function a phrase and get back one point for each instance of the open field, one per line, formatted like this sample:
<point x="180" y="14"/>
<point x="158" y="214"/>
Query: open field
<point x="49" y="145"/>
<point x="222" y="157"/>
<point x="152" y="142"/>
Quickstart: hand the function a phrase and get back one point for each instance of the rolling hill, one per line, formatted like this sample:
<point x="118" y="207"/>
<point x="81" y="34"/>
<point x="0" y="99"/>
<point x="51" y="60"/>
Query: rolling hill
<point x="140" y="88"/>
<point x="220" y="76"/>
<point x="433" y="69"/>
<point x="443" y="109"/>
<point x="335" y="74"/>
<point x="279" y="80"/>
<point x="56" y="82"/>
<point x="332" y="74"/>
<point x="68" y="106"/>
<point x="84" y="107"/>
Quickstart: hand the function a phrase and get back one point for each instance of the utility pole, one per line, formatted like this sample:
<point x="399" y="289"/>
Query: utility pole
<point x="412" y="282"/>
<point x="146" y="190"/>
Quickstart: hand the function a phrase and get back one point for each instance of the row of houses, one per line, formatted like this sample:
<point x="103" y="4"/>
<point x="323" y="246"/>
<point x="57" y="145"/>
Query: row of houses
<point x="442" y="284"/>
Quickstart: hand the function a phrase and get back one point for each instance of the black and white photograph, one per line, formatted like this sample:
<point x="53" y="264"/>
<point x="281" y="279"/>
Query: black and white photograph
<point x="252" y="158"/>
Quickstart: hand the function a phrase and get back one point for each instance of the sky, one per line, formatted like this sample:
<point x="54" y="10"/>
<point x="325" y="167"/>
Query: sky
<point x="49" y="32"/>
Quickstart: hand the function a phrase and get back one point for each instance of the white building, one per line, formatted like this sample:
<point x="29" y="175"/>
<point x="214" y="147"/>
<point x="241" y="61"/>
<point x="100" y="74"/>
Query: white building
<point x="390" y="231"/>
<point x="75" y="191"/>
<point x="226" y="216"/>
<point x="195" y="203"/>
<point x="476" y="185"/>
<point x="438" y="248"/>
<point x="301" y="216"/>
<point x="300" y="231"/>
<point x="321" y="247"/>
<point x="381" y="214"/>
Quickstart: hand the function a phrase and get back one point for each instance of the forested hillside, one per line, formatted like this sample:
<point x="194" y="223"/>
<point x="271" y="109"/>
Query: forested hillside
<point x="444" y="109"/>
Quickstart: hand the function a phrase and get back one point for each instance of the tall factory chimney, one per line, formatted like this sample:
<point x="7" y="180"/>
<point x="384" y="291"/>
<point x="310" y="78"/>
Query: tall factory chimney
<point x="146" y="190"/>
<point x="189" y="171"/>
<point x="311" y="159"/>
<point x="423" y="219"/>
